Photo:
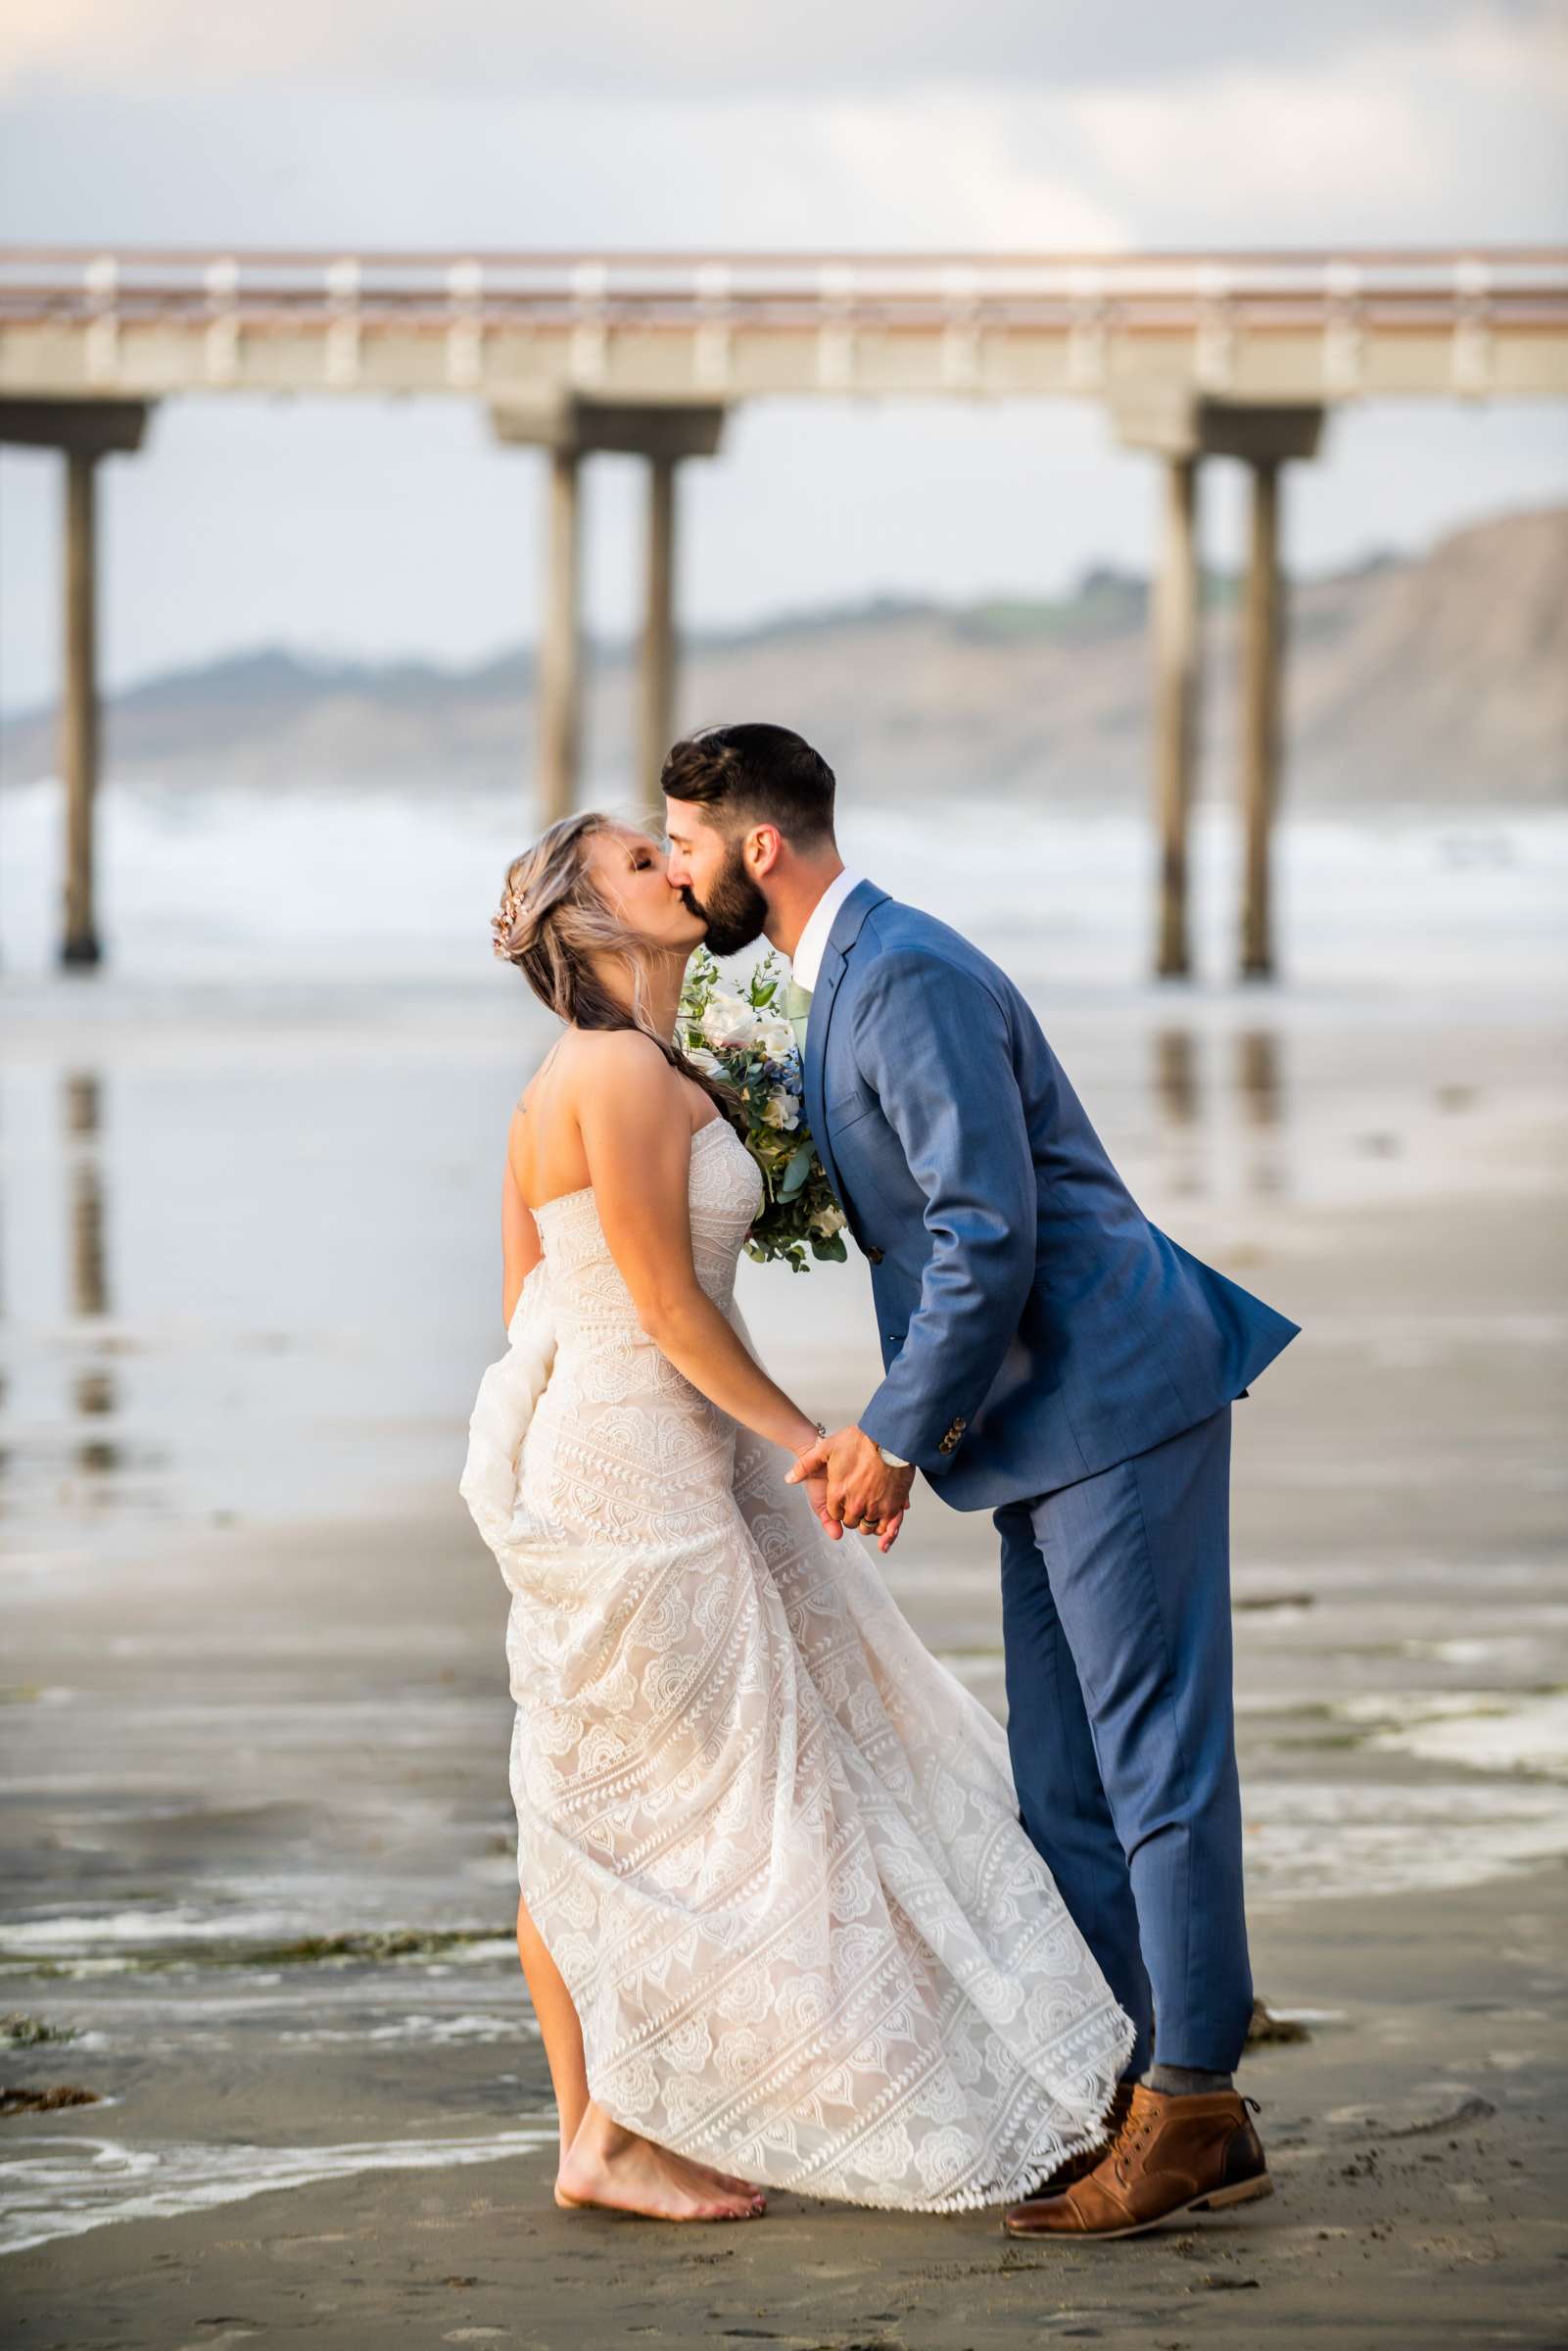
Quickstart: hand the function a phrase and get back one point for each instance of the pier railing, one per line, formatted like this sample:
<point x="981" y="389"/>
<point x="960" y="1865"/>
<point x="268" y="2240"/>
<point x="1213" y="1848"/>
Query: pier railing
<point x="1288" y="325"/>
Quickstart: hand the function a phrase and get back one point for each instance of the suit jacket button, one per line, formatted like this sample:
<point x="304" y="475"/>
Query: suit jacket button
<point x="873" y="1254"/>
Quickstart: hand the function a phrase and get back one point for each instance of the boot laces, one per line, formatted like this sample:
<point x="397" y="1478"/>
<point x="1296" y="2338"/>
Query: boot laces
<point x="1135" y="2133"/>
<point x="1130" y="2141"/>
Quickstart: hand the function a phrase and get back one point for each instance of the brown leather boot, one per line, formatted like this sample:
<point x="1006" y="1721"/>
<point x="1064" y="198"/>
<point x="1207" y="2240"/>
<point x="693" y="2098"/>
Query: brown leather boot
<point x="1171" y="2155"/>
<point x="1078" y="2167"/>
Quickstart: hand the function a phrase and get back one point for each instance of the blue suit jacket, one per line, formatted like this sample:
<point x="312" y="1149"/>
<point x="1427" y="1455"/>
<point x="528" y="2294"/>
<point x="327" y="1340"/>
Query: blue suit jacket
<point x="1035" y="1327"/>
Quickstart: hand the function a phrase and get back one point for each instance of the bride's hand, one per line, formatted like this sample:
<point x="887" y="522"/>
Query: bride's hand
<point x="815" y="1486"/>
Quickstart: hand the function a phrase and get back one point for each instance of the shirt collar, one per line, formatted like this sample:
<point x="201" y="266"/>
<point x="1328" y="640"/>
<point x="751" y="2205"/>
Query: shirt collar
<point x="812" y="943"/>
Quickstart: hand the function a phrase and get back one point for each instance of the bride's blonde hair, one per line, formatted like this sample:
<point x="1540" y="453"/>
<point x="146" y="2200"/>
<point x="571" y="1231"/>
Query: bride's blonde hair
<point x="553" y="921"/>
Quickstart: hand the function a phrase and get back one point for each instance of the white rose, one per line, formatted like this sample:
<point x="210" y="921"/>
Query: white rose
<point x="782" y="1109"/>
<point x="728" y="1022"/>
<point x="775" y="1035"/>
<point x="829" y="1220"/>
<point x="708" y="1063"/>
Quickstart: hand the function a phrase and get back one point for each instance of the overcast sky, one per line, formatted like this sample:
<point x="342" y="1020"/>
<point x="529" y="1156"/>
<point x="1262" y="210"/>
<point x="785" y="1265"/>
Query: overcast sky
<point x="700" y="123"/>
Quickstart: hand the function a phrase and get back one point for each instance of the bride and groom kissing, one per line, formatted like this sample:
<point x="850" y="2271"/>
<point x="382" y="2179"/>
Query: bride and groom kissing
<point x="795" y="1912"/>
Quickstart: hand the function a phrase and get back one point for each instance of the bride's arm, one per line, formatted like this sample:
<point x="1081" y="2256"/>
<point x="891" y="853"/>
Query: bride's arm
<point x="636" y="1136"/>
<point x="520" y="1245"/>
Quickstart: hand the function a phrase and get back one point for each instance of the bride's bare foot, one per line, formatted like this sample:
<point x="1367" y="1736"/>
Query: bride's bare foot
<point x="619" y="2172"/>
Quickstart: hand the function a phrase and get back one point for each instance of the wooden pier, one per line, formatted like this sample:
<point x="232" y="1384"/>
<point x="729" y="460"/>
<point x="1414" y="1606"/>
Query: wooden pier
<point x="1194" y="355"/>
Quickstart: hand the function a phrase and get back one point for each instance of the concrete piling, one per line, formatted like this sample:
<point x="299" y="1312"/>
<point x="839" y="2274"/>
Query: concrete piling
<point x="1176" y="621"/>
<point x="560" y="644"/>
<point x="657" y="697"/>
<point x="1260" y="722"/>
<point x="84" y="432"/>
<point x="79" y="709"/>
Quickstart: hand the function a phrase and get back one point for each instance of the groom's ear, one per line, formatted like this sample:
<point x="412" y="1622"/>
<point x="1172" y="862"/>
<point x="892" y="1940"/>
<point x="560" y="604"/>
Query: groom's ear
<point x="761" y="851"/>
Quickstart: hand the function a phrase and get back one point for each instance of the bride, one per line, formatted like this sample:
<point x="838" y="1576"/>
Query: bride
<point x="780" y="1923"/>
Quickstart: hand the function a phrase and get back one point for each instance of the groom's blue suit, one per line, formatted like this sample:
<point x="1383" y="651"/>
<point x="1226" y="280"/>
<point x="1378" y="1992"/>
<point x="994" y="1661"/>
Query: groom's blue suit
<point x="1051" y="1355"/>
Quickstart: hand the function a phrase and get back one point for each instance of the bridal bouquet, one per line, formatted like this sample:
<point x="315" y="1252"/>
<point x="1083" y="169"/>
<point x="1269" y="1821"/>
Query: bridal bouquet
<point x="746" y="1045"/>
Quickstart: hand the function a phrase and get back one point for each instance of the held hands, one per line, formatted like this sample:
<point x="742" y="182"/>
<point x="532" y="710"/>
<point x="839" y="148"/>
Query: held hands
<point x="850" y="1485"/>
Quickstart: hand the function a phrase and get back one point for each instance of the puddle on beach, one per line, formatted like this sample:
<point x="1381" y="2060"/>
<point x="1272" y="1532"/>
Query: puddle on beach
<point x="216" y="1323"/>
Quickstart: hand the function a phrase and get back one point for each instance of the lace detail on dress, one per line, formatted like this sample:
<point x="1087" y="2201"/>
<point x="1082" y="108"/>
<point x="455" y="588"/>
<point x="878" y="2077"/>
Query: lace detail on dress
<point x="771" y="1843"/>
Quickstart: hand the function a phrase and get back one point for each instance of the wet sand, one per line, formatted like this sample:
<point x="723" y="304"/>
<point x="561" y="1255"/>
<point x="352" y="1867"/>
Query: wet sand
<point x="323" y="1753"/>
<point x="1419" y="2143"/>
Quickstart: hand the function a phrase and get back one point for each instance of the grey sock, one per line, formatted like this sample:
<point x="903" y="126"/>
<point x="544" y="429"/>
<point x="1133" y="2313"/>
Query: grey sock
<point x="1186" y="2081"/>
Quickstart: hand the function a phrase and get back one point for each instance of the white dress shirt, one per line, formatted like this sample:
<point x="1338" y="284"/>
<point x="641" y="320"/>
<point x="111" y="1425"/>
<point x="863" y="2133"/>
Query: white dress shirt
<point x="812" y="945"/>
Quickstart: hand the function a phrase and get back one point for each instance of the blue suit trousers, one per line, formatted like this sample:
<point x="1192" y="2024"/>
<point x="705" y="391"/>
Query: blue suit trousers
<point x="1116" y="1601"/>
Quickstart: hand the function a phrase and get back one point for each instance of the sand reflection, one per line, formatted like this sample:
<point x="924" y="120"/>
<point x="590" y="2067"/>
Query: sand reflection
<point x="94" y="1391"/>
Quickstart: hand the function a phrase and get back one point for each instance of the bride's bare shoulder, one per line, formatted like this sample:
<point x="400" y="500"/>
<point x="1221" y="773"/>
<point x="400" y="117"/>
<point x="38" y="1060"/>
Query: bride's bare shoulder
<point x="601" y="1092"/>
<point x="618" y="1065"/>
<point x="600" y="1055"/>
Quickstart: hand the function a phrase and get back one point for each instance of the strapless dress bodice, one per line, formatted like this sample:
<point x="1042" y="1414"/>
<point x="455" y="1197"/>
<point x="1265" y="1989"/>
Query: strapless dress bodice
<point x="586" y="1286"/>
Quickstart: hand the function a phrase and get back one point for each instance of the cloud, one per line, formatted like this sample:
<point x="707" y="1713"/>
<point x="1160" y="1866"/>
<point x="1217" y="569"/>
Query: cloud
<point x="955" y="169"/>
<point x="1457" y="139"/>
<point x="675" y="48"/>
<point x="1286" y="150"/>
<point x="1459" y="136"/>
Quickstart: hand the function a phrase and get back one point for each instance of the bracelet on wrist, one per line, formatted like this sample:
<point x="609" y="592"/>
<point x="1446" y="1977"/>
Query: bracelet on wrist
<point x="820" y="1428"/>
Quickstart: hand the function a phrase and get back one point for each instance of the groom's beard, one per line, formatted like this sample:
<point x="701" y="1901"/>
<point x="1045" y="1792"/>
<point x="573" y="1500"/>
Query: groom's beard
<point x="734" y="909"/>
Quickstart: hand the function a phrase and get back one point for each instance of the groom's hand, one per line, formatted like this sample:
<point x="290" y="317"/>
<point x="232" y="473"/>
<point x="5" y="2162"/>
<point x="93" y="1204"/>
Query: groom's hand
<point x="862" y="1490"/>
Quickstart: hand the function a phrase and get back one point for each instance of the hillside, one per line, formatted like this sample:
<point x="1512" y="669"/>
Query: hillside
<point x="1442" y="679"/>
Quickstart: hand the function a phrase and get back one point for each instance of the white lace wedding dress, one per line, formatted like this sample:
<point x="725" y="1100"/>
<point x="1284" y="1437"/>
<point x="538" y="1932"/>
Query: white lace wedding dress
<point x="771" y="1842"/>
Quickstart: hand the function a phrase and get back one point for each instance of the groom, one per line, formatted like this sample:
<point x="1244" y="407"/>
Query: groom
<point x="1053" y="1356"/>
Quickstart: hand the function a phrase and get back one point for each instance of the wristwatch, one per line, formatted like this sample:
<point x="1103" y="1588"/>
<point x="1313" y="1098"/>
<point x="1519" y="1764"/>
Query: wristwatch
<point x="892" y="1458"/>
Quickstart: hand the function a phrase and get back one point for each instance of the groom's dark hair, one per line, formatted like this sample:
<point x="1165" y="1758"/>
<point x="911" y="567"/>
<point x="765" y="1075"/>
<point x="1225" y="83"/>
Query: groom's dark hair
<point x="756" y="774"/>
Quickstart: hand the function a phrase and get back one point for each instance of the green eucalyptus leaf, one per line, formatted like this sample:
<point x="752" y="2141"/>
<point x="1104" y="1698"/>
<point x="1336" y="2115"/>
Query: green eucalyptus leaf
<point x="799" y="1168"/>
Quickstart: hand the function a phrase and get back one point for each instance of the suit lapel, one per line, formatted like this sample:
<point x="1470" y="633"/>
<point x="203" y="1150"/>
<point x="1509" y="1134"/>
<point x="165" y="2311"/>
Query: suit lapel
<point x="822" y="1005"/>
<point x="835" y="962"/>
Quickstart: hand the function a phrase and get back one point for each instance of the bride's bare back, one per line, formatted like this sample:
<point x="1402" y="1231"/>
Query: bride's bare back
<point x="544" y="1147"/>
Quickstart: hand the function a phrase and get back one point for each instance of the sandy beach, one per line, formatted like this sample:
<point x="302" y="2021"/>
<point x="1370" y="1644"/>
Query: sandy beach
<point x="256" y="1836"/>
<point x="1417" y="2142"/>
